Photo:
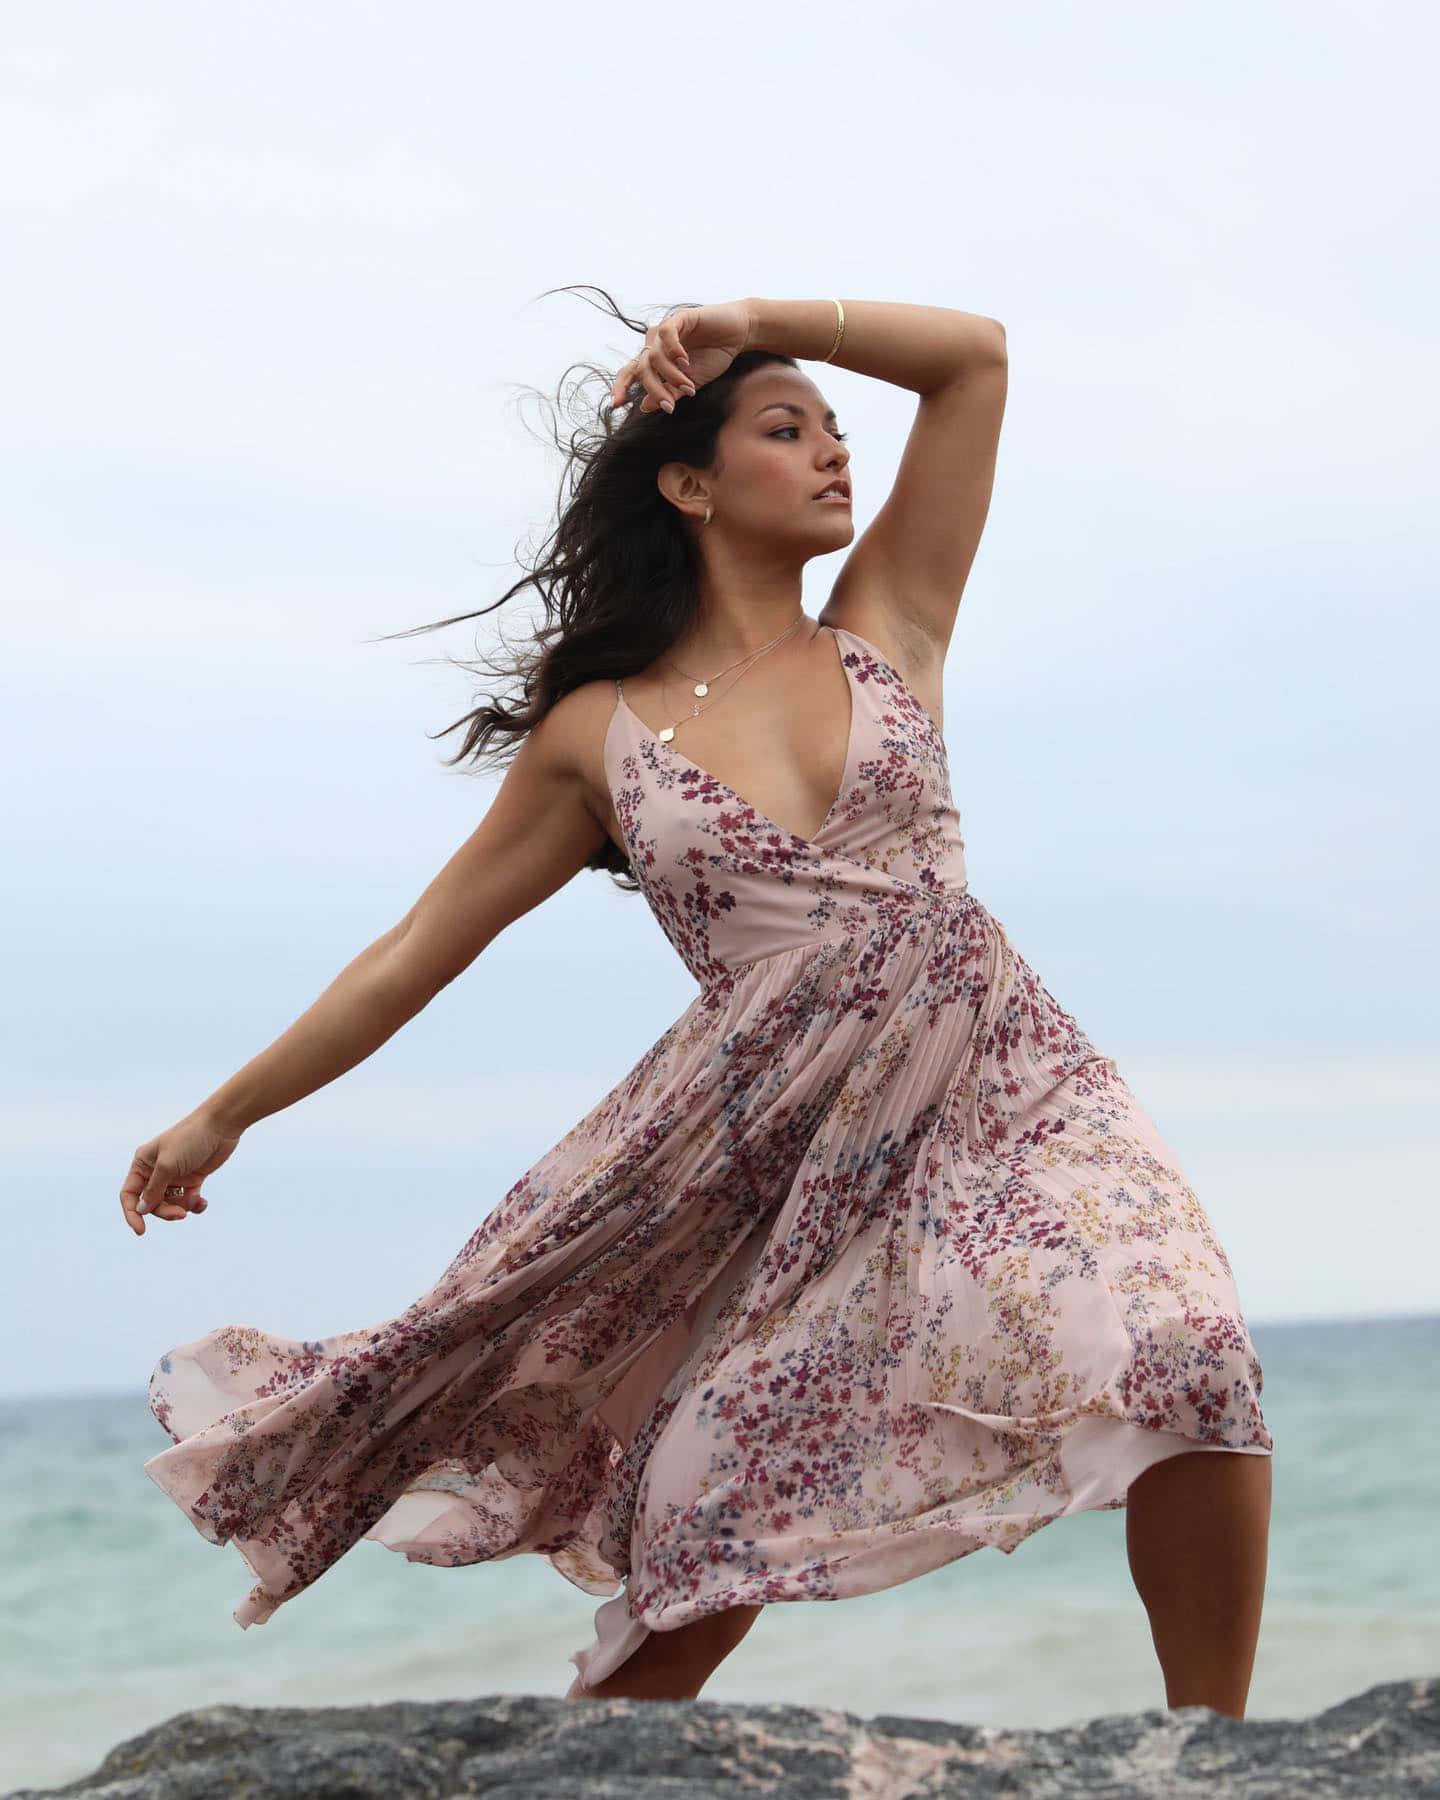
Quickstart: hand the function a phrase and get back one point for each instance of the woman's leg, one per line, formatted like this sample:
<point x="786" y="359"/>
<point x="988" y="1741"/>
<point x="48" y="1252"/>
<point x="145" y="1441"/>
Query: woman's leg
<point x="1197" y="1533"/>
<point x="675" y="1665"/>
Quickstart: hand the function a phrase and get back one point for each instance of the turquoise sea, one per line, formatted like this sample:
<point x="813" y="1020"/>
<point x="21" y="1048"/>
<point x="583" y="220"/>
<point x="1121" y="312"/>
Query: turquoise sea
<point x="116" y="1613"/>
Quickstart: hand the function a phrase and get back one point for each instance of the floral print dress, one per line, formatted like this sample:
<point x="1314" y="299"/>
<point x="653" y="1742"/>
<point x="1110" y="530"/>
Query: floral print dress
<point x="870" y="1261"/>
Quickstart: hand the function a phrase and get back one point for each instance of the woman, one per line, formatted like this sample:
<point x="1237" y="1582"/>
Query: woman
<point x="872" y="1259"/>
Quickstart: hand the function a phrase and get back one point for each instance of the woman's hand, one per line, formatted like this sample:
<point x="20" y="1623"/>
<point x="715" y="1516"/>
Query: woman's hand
<point x="180" y="1157"/>
<point x="684" y="351"/>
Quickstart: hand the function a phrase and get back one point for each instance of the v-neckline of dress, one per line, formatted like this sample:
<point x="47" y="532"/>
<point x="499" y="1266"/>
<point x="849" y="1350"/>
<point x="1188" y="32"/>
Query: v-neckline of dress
<point x="725" y="787"/>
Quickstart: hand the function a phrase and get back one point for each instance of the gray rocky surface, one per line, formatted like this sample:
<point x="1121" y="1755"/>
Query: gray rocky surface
<point x="1384" y="1742"/>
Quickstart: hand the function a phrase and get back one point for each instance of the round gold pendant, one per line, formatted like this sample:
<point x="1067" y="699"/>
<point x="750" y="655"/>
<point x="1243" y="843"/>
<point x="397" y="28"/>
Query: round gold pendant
<point x="702" y="688"/>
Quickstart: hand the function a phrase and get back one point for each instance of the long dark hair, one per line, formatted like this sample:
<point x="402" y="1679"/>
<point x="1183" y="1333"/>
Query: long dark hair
<point x="619" y="575"/>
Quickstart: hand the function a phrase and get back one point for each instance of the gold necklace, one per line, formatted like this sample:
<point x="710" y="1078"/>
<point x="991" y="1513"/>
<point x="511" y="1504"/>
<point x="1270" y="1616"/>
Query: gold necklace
<point x="701" y="688"/>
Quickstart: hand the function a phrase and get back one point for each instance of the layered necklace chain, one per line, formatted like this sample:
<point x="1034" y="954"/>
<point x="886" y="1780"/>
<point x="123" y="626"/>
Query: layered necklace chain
<point x="702" y="688"/>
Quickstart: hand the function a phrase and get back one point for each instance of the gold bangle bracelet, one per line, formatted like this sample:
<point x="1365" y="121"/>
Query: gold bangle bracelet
<point x="839" y="331"/>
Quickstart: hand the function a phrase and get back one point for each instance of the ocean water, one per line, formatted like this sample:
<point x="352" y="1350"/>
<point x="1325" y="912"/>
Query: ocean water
<point x="116" y="1613"/>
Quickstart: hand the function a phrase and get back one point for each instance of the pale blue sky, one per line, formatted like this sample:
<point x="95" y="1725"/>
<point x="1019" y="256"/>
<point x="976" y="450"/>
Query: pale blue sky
<point x="266" y="301"/>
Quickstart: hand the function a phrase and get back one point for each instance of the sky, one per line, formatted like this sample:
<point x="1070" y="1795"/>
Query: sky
<point x="270" y="291"/>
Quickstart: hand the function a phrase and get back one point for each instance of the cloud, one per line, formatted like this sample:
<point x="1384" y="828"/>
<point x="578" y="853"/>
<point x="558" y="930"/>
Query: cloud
<point x="386" y="184"/>
<point x="55" y="157"/>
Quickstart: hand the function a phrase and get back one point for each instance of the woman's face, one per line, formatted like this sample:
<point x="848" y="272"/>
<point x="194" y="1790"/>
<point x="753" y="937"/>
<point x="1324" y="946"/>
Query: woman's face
<point x="778" y="449"/>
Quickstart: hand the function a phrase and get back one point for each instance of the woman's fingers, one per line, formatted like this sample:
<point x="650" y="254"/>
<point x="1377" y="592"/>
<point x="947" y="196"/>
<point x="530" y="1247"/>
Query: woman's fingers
<point x="674" y="347"/>
<point x="658" y="369"/>
<point x="136" y="1212"/>
<point x="137" y="1208"/>
<point x="132" y="1195"/>
<point x="658" y="389"/>
<point x="664" y="352"/>
<point x="166" y="1173"/>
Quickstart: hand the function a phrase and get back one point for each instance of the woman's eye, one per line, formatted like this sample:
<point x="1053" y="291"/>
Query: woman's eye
<point x="839" y="435"/>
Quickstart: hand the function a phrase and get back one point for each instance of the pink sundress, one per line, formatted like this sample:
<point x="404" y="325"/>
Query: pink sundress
<point x="870" y="1261"/>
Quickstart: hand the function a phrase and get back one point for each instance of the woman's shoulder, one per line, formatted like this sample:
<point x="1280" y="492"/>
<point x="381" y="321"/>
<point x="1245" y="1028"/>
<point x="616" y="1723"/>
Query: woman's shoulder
<point x="574" y="732"/>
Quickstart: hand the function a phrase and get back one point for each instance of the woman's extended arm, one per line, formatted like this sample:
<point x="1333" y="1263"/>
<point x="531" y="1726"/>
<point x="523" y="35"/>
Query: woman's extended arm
<point x="537" y="834"/>
<point x="363" y="1007"/>
<point x="365" y="1004"/>
<point x="916" y="347"/>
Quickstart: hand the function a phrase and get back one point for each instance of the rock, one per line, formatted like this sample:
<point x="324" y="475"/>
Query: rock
<point x="1384" y="1742"/>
